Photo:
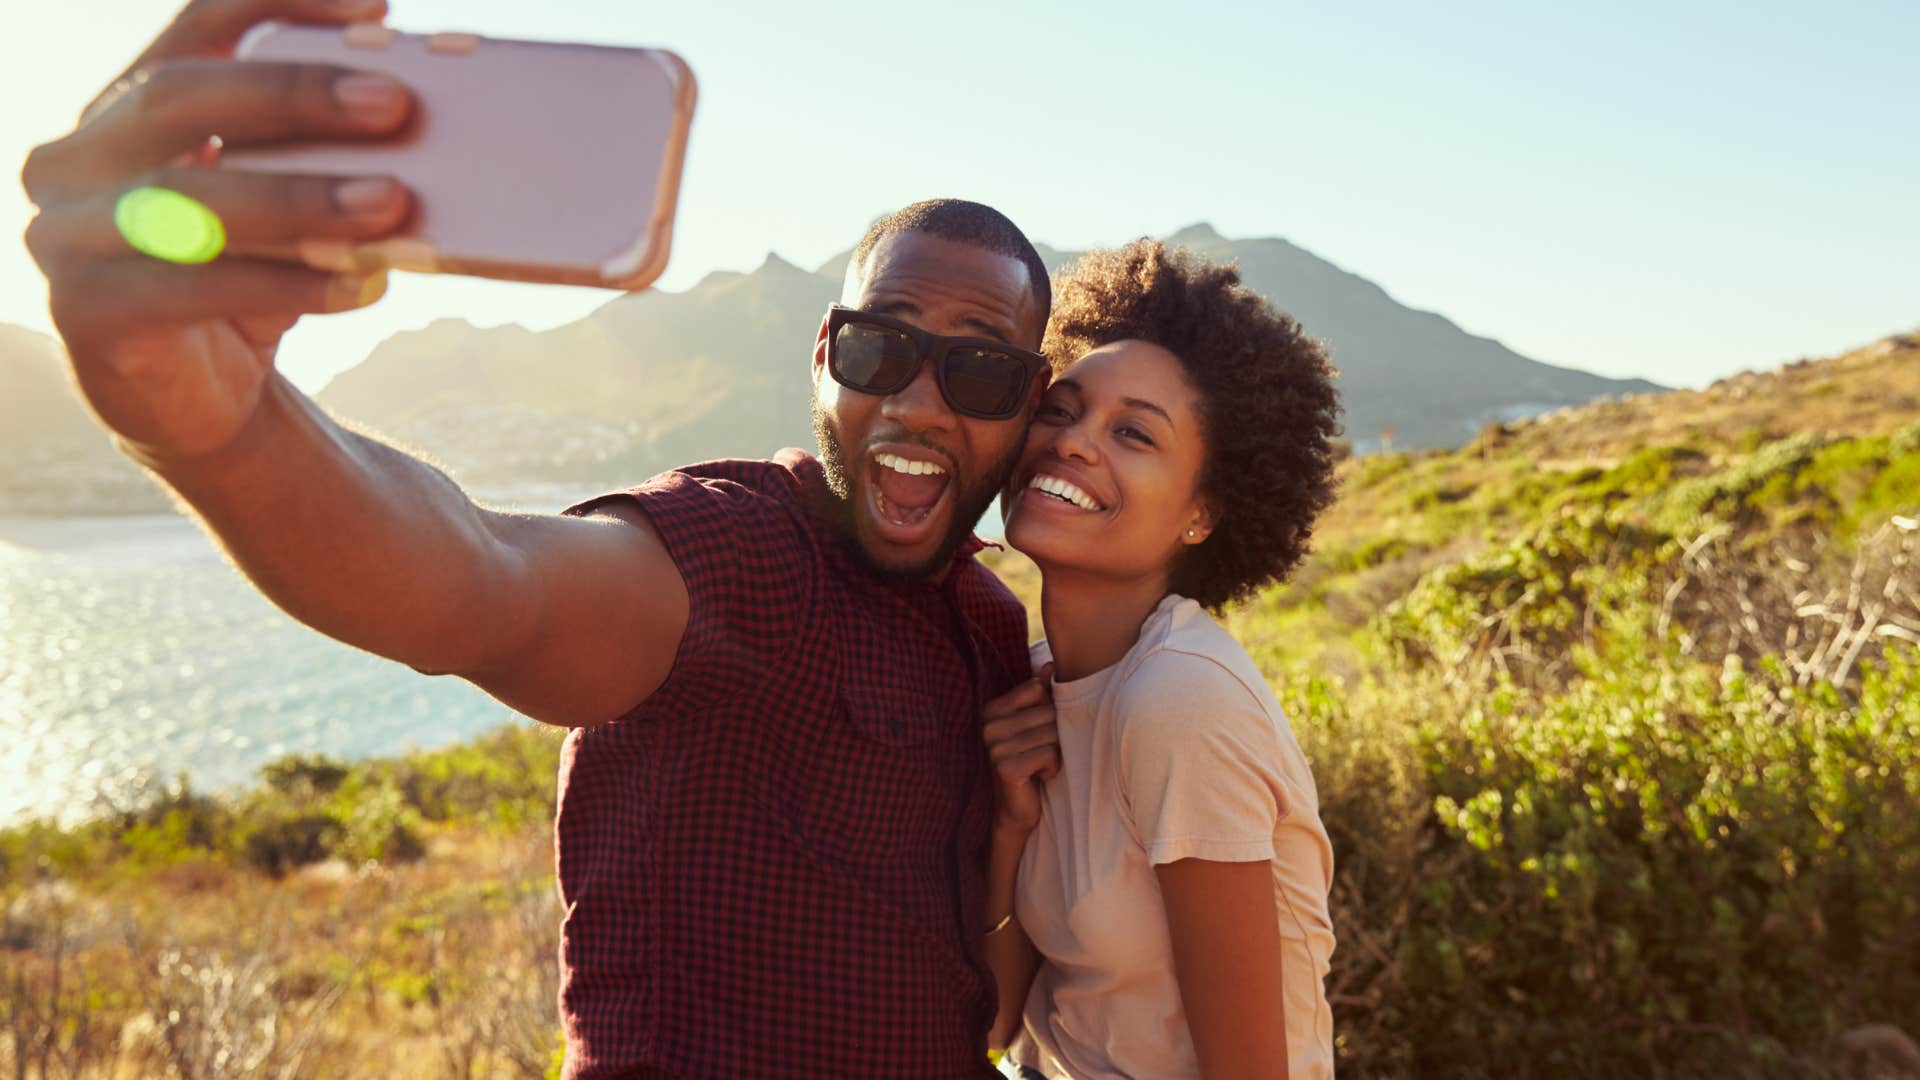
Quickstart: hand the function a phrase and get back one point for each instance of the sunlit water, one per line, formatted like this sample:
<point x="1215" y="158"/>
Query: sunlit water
<point x="130" y="652"/>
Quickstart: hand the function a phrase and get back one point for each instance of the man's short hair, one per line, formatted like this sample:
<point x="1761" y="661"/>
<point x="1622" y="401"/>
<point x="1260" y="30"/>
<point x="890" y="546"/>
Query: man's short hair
<point x="965" y="223"/>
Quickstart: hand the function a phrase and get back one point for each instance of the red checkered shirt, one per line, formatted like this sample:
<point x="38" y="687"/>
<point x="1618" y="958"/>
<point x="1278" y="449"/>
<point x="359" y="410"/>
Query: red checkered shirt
<point x="774" y="866"/>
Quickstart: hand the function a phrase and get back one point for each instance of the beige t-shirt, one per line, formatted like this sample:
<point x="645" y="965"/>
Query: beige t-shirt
<point x="1178" y="751"/>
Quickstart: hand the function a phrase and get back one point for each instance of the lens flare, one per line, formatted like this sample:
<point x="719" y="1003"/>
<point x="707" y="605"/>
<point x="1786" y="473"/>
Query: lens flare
<point x="168" y="225"/>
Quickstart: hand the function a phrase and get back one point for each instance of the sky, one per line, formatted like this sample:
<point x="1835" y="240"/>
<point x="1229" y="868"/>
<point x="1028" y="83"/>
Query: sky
<point x="1676" y="191"/>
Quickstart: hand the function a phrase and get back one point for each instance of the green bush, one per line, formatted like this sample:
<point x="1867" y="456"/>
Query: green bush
<point x="281" y="841"/>
<point x="1695" y="852"/>
<point x="303" y="776"/>
<point x="1615" y="850"/>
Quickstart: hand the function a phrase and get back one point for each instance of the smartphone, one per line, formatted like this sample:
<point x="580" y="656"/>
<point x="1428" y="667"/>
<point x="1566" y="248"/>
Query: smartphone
<point x="529" y="161"/>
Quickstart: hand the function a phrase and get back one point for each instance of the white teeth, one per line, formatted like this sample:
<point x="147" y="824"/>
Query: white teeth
<point x="1053" y="485"/>
<point x="911" y="468"/>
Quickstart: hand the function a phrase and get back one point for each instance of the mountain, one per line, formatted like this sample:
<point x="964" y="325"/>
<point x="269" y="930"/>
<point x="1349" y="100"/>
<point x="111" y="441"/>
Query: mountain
<point x="648" y="381"/>
<point x="656" y="379"/>
<point x="54" y="458"/>
<point x="1413" y="372"/>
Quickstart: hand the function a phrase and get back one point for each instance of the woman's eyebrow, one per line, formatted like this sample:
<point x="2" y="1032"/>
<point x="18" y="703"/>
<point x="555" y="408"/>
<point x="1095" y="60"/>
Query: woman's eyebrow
<point x="1129" y="402"/>
<point x="1143" y="403"/>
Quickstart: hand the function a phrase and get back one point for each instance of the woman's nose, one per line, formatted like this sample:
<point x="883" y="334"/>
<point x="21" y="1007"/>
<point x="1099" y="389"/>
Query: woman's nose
<point x="1076" y="442"/>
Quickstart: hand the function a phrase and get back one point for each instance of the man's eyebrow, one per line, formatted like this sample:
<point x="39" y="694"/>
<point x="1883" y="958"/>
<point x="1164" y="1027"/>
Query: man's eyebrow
<point x="982" y="326"/>
<point x="988" y="328"/>
<point x="892" y="307"/>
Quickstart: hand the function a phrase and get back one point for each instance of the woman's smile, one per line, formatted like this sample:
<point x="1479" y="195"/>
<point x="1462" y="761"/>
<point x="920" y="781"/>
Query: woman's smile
<point x="1116" y="449"/>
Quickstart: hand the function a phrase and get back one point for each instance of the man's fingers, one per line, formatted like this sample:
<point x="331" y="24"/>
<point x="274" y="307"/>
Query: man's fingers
<point x="173" y="110"/>
<point x="215" y="27"/>
<point x="258" y="212"/>
<point x="115" y="295"/>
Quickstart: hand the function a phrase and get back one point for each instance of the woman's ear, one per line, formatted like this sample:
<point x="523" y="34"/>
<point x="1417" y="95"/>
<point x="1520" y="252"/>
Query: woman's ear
<point x="1200" y="525"/>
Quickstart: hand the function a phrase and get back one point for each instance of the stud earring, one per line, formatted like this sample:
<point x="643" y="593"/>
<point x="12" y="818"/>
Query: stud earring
<point x="1189" y="532"/>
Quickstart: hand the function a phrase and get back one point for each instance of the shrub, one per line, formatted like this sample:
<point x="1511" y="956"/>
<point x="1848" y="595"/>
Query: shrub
<point x="286" y="840"/>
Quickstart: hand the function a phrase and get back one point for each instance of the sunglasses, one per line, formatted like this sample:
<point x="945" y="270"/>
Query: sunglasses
<point x="978" y="377"/>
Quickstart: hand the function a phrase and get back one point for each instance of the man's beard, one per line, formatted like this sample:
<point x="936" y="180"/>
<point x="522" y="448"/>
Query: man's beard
<point x="970" y="503"/>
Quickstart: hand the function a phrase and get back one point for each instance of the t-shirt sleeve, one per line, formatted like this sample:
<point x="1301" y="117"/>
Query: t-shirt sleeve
<point x="740" y="544"/>
<point x="1199" y="762"/>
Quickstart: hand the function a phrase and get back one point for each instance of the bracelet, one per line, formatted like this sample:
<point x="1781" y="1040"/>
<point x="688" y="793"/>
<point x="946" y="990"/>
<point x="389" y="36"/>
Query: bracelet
<point x="999" y="926"/>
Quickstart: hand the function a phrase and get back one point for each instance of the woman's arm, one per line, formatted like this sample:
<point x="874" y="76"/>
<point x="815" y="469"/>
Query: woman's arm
<point x="1024" y="746"/>
<point x="1010" y="954"/>
<point x="1226" y="957"/>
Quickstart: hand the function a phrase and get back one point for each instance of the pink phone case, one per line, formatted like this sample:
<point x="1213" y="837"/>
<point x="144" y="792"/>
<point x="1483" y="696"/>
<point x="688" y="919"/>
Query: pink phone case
<point x="529" y="161"/>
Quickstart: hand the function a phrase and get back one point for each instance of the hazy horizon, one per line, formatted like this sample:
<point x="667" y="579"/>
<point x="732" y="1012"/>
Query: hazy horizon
<point x="1675" y="194"/>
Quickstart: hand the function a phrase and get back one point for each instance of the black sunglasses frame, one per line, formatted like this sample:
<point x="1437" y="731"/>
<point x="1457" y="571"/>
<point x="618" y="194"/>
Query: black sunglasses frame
<point x="935" y="348"/>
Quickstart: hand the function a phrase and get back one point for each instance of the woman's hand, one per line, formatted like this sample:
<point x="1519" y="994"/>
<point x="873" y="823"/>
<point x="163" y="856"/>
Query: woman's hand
<point x="1025" y="747"/>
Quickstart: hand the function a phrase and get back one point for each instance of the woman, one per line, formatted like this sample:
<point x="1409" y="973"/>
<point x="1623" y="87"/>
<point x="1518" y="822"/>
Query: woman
<point x="1159" y="876"/>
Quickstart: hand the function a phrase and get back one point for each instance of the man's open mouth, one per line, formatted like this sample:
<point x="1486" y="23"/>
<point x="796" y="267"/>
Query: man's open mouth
<point x="906" y="491"/>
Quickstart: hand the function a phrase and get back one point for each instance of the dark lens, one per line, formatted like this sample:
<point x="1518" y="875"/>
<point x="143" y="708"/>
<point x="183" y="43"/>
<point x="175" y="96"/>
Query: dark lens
<point x="985" y="381"/>
<point x="869" y="357"/>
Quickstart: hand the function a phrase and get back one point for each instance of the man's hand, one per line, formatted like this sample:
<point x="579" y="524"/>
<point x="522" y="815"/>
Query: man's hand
<point x="1024" y="744"/>
<point x="174" y="358"/>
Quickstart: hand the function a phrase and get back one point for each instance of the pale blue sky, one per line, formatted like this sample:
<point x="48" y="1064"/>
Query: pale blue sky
<point x="1670" y="190"/>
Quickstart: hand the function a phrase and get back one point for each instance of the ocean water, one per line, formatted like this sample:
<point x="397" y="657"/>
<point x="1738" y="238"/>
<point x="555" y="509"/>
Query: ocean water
<point x="130" y="652"/>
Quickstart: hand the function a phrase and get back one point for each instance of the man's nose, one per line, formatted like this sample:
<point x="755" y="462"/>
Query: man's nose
<point x="918" y="406"/>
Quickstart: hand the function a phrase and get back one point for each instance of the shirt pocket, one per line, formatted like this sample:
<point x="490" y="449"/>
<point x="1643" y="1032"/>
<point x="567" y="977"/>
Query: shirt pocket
<point x="892" y="714"/>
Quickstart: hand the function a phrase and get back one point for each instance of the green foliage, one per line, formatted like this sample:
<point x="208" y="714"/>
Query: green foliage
<point x="307" y="810"/>
<point x="302" y="776"/>
<point x="1692" y="505"/>
<point x="1906" y="440"/>
<point x="279" y="840"/>
<point x="1691" y="848"/>
<point x="1593" y="812"/>
<point x="1523" y="605"/>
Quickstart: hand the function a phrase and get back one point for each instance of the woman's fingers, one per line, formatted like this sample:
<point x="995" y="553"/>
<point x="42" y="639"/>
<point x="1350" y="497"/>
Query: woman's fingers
<point x="1002" y="728"/>
<point x="1039" y="735"/>
<point x="1025" y="695"/>
<point x="1038" y="763"/>
<point x="172" y="111"/>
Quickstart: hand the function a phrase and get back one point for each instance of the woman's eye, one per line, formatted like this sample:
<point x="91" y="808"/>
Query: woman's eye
<point x="1055" y="412"/>
<point x="1136" y="435"/>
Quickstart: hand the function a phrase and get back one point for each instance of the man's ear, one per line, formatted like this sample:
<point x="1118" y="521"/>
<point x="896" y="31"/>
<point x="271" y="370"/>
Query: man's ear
<point x="820" y="349"/>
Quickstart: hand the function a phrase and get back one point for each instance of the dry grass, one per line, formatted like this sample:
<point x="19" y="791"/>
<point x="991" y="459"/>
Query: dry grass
<point x="445" y="967"/>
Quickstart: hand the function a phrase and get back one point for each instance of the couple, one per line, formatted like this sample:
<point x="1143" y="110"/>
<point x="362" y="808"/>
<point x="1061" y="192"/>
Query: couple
<point x="817" y="816"/>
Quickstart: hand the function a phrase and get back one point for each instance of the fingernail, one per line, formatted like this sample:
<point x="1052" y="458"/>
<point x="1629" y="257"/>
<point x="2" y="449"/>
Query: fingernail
<point x="364" y="198"/>
<point x="370" y="97"/>
<point x="352" y="292"/>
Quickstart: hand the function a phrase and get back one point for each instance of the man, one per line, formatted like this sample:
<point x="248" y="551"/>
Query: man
<point x="773" y="807"/>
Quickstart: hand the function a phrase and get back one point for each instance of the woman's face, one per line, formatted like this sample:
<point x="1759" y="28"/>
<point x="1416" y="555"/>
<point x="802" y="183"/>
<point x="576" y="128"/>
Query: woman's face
<point x="1109" y="482"/>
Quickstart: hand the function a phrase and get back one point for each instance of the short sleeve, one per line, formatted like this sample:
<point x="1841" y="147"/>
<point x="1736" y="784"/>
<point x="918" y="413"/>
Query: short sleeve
<point x="1198" y="761"/>
<point x="737" y="534"/>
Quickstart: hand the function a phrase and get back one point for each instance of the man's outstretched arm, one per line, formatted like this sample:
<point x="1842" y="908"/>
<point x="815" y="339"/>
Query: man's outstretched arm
<point x="570" y="620"/>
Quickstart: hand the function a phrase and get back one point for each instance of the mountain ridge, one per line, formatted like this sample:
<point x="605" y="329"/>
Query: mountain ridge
<point x="655" y="379"/>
